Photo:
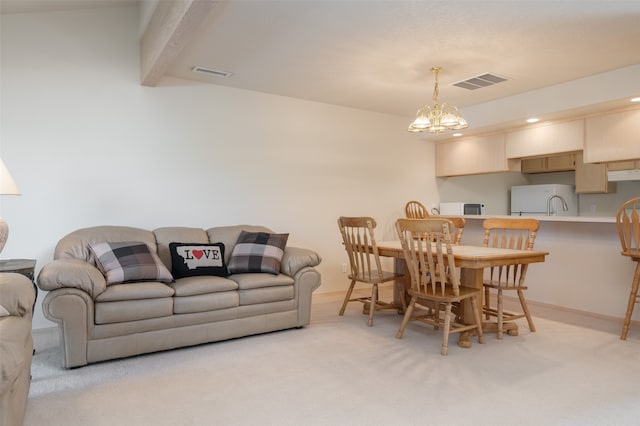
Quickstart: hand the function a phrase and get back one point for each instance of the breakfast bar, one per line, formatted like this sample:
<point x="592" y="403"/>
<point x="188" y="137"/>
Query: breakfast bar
<point x="584" y="270"/>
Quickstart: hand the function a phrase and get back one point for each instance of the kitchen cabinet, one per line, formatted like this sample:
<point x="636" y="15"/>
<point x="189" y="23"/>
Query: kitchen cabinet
<point x="550" y="138"/>
<point x="623" y="165"/>
<point x="611" y="137"/>
<point x="473" y="155"/>
<point x="591" y="178"/>
<point x="552" y="163"/>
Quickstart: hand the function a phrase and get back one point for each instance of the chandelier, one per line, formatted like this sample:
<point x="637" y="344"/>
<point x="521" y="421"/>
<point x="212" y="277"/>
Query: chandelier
<point x="437" y="118"/>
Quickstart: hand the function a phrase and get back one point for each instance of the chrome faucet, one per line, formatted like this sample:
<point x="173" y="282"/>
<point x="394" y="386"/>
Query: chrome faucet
<point x="565" y="207"/>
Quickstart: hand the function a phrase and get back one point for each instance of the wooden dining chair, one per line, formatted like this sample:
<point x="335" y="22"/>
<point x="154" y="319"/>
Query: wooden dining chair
<point x="416" y="210"/>
<point x="628" y="222"/>
<point x="435" y="281"/>
<point x="458" y="228"/>
<point x="512" y="233"/>
<point x="365" y="266"/>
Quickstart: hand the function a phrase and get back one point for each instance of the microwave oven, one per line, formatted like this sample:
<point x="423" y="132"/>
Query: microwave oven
<point x="460" y="208"/>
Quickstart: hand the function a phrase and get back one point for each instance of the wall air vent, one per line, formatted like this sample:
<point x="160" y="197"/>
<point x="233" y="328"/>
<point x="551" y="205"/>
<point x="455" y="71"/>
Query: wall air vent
<point x="217" y="73"/>
<point x="484" y="80"/>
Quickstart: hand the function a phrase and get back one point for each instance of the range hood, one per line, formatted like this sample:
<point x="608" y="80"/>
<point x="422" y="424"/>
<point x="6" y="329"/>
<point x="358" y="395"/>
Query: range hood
<point x="623" y="175"/>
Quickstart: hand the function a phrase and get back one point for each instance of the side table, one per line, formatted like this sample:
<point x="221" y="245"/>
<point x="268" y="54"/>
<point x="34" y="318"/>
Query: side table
<point x="25" y="267"/>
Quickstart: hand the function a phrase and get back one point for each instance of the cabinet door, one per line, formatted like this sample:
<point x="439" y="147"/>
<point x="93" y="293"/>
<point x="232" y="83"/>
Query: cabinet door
<point x="552" y="163"/>
<point x="612" y="137"/>
<point x="473" y="155"/>
<point x="592" y="178"/>
<point x="545" y="139"/>
<point x="559" y="163"/>
<point x="623" y="165"/>
<point x="534" y="165"/>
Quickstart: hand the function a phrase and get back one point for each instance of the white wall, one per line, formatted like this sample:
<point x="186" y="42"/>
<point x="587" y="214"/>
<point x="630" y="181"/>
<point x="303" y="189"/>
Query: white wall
<point x="88" y="145"/>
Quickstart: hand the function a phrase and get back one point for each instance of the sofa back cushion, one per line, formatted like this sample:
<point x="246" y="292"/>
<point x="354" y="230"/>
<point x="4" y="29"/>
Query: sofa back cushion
<point x="76" y="244"/>
<point x="177" y="234"/>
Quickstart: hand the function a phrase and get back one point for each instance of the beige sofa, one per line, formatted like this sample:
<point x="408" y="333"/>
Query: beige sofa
<point x="98" y="322"/>
<point x="17" y="296"/>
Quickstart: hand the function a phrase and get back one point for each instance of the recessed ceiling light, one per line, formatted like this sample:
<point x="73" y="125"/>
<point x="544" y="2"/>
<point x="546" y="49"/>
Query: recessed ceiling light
<point x="457" y="134"/>
<point x="532" y="120"/>
<point x="636" y="99"/>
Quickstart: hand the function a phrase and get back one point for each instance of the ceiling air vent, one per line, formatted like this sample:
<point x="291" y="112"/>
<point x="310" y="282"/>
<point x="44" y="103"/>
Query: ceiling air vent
<point x="217" y="73"/>
<point x="480" y="81"/>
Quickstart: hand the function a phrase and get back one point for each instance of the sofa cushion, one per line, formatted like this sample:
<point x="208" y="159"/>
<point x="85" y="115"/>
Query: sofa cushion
<point x="251" y="281"/>
<point x="266" y="295"/>
<point x="206" y="302"/>
<point x="133" y="310"/>
<point x="135" y="291"/>
<point x="129" y="261"/>
<point x="191" y="286"/>
<point x="165" y="236"/>
<point x="193" y="259"/>
<point x="258" y="252"/>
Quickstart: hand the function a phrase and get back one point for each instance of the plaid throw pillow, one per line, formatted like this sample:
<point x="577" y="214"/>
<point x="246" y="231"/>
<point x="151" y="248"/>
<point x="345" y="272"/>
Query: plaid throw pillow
<point x="129" y="261"/>
<point x="257" y="252"/>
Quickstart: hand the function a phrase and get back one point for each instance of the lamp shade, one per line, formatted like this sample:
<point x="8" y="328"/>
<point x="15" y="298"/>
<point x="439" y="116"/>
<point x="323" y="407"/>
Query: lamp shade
<point x="7" y="184"/>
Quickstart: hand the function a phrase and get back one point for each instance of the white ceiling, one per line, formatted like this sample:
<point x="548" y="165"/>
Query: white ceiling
<point x="377" y="55"/>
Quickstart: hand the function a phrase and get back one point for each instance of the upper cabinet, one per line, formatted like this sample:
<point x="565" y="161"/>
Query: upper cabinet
<point x="623" y="165"/>
<point x="551" y="163"/>
<point x="547" y="139"/>
<point x="612" y="137"/>
<point x="473" y="155"/>
<point x="592" y="178"/>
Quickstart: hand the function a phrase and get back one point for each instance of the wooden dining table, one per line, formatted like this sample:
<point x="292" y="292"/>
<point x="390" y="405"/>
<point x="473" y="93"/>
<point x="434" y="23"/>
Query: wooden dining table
<point x="472" y="260"/>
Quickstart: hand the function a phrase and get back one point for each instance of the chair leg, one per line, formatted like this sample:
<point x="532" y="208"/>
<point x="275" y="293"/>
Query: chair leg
<point x="372" y="306"/>
<point x="500" y="315"/>
<point x="487" y="303"/>
<point x="399" y="287"/>
<point x="347" y="297"/>
<point x="407" y="316"/>
<point x="447" y="327"/>
<point x="478" y="318"/>
<point x="632" y="301"/>
<point x="525" y="309"/>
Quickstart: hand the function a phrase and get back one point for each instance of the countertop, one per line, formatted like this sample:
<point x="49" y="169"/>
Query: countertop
<point x="543" y="218"/>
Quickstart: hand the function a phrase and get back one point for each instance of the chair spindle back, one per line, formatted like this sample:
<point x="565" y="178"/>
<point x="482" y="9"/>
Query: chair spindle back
<point x="360" y="244"/>
<point x="511" y="233"/>
<point x="628" y="222"/>
<point x="429" y="260"/>
<point x="416" y="210"/>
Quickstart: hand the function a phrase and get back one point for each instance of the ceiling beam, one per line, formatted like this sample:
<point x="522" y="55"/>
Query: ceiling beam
<point x="169" y="30"/>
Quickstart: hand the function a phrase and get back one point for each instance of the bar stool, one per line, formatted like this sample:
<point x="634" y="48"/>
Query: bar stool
<point x="628" y="222"/>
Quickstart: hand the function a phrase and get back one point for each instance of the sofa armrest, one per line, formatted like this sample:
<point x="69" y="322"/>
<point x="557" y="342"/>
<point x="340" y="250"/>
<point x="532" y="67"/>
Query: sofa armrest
<point x="16" y="294"/>
<point x="16" y="346"/>
<point x="75" y="273"/>
<point x="296" y="258"/>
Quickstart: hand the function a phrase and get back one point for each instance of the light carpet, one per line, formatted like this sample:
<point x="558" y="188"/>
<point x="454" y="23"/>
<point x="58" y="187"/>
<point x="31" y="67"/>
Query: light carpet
<point x="338" y="371"/>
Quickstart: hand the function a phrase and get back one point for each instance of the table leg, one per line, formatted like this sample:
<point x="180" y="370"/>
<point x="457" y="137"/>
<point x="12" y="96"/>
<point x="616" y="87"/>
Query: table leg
<point x="473" y="278"/>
